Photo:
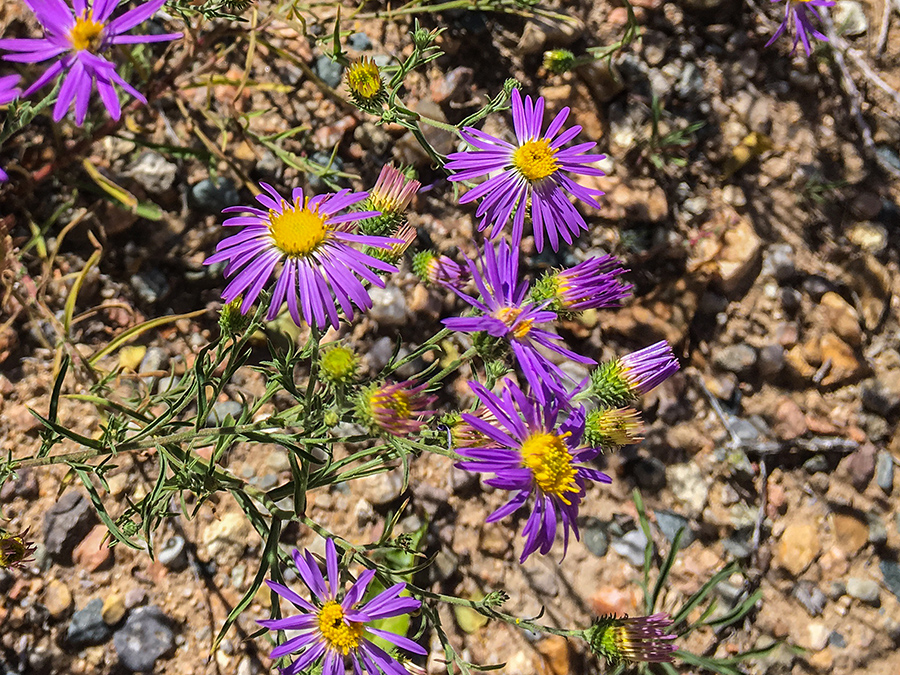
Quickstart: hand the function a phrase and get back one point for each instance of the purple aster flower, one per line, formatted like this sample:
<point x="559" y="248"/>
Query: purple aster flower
<point x="335" y="629"/>
<point x="397" y="408"/>
<point x="79" y="35"/>
<point x="8" y="92"/>
<point x="624" y="640"/>
<point x="439" y="269"/>
<point x="534" y="455"/>
<point x="797" y="19"/>
<point x="534" y="170"/>
<point x="507" y="314"/>
<point x="621" y="381"/>
<point x="313" y="242"/>
<point x="591" y="284"/>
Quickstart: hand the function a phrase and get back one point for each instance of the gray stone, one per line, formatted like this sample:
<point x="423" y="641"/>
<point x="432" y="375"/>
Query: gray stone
<point x="154" y="359"/>
<point x="810" y="597"/>
<point x="738" y="359"/>
<point x="328" y="71"/>
<point x="890" y="570"/>
<point x="649" y="473"/>
<point x="388" y="306"/>
<point x="463" y="482"/>
<point x="150" y="285"/>
<point x="87" y="626"/>
<point x="779" y="263"/>
<point x="771" y="361"/>
<point x="146" y="636"/>
<point x="791" y="300"/>
<point x="173" y="554"/>
<point x="325" y="160"/>
<point x="837" y="590"/>
<point x="837" y="640"/>
<point x="66" y="524"/>
<point x="153" y="172"/>
<point x="631" y="546"/>
<point x="878" y="398"/>
<point x="593" y="534"/>
<point x="817" y="464"/>
<point x="210" y="196"/>
<point x="670" y="522"/>
<point x="689" y="487"/>
<point x="24" y="485"/>
<point x="877" y="529"/>
<point x="738" y="543"/>
<point x="221" y="410"/>
<point x="360" y="42"/>
<point x="864" y="590"/>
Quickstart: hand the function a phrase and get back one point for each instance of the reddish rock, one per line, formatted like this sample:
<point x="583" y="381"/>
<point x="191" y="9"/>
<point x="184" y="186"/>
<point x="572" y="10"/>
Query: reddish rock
<point x="860" y="466"/>
<point x="94" y="553"/>
<point x="790" y="422"/>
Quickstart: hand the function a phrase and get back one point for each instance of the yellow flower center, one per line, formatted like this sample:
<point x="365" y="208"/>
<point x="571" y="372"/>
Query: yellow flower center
<point x="535" y="159"/>
<point x="550" y="462"/>
<point x="340" y="634"/>
<point x="508" y="315"/>
<point x="297" y="231"/>
<point x="12" y="550"/>
<point x="364" y="80"/>
<point x="87" y="33"/>
<point x="397" y="401"/>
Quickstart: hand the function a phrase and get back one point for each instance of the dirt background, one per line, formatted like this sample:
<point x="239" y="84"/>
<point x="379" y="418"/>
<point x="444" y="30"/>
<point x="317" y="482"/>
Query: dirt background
<point x="762" y="245"/>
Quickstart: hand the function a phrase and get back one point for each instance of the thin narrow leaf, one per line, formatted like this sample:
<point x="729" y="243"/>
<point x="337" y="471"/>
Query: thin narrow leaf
<point x="134" y="332"/>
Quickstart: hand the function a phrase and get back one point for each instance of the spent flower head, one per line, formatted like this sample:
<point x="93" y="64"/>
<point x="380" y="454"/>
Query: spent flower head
<point x="625" y="640"/>
<point x="799" y="18"/>
<point x="613" y="427"/>
<point x="530" y="175"/>
<point x="15" y="549"/>
<point x="365" y="84"/>
<point x="312" y="242"/>
<point x="77" y="36"/>
<point x="507" y="314"/>
<point x="396" y="408"/>
<point x="536" y="453"/>
<point x="336" y="627"/>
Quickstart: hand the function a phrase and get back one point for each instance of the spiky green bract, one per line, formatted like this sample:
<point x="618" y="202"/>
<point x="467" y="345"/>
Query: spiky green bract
<point x="559" y="61"/>
<point x="339" y="365"/>
<point x="231" y="322"/>
<point x="15" y="549"/>
<point x="630" y="640"/>
<point x="608" y="385"/>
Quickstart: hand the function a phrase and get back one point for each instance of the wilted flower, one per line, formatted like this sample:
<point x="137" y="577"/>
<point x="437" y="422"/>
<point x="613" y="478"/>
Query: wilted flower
<point x="621" y="381"/>
<point x="591" y="284"/>
<point x="613" y="427"/>
<point x="8" y="92"/>
<point x="797" y="19"/>
<point x="508" y="315"/>
<point x="642" y="638"/>
<point x="80" y="35"/>
<point x="335" y="629"/>
<point x="314" y="244"/>
<point x="439" y="269"/>
<point x="15" y="549"/>
<point x="397" y="408"/>
<point x="533" y="170"/>
<point x="537" y="456"/>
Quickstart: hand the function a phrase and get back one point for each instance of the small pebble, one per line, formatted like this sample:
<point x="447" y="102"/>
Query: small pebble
<point x="87" y="626"/>
<point x="173" y="554"/>
<point x="66" y="524"/>
<point x="864" y="590"/>
<point x="884" y="471"/>
<point x="669" y="523"/>
<point x="328" y="71"/>
<point x="810" y="597"/>
<point x="221" y="410"/>
<point x="890" y="570"/>
<point x="113" y="609"/>
<point x="57" y="599"/>
<point x="738" y="359"/>
<point x="593" y="534"/>
<point x="208" y="196"/>
<point x="631" y="546"/>
<point x="146" y="636"/>
<point x="360" y="42"/>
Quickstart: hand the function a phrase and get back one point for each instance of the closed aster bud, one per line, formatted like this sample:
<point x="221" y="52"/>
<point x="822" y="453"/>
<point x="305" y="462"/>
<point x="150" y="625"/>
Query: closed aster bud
<point x="15" y="549"/>
<point x="231" y="321"/>
<point x="613" y="428"/>
<point x="439" y="270"/>
<point x="391" y="196"/>
<point x="619" y="382"/>
<point x="339" y="365"/>
<point x="559" y="61"/>
<point x="643" y="638"/>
